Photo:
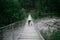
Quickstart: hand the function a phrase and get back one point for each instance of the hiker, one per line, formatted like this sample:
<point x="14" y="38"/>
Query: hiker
<point x="29" y="22"/>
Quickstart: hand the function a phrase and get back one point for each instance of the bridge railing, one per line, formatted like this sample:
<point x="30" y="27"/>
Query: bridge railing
<point x="11" y="27"/>
<point x="37" y="27"/>
<point x="14" y="24"/>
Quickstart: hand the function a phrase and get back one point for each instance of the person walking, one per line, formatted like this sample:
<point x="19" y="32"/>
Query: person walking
<point x="29" y="23"/>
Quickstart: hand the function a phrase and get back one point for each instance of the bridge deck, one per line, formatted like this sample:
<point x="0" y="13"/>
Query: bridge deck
<point x="28" y="32"/>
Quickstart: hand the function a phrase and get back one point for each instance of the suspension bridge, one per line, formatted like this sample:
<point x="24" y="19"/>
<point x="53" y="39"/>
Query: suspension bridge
<point x="26" y="32"/>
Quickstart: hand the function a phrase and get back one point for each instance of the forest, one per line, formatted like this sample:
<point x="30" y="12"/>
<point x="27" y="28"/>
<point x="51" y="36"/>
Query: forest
<point x="15" y="10"/>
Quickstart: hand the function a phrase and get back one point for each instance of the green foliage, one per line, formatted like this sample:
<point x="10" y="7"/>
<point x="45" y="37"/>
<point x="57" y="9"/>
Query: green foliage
<point x="47" y="35"/>
<point x="55" y="36"/>
<point x="48" y="6"/>
<point x="10" y="11"/>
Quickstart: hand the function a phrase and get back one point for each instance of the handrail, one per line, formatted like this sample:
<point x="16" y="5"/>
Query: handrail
<point x="12" y="24"/>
